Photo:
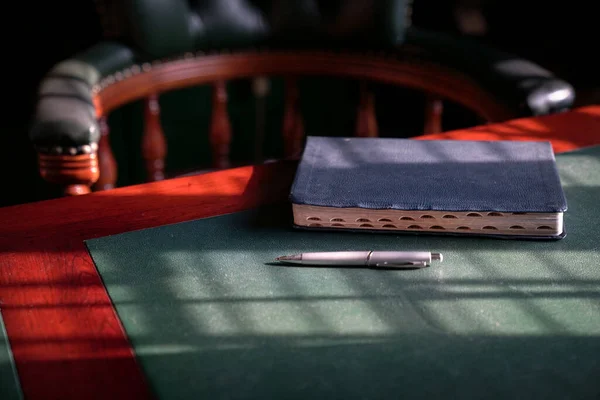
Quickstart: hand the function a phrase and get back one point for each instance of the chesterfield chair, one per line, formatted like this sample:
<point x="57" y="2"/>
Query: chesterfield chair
<point x="170" y="45"/>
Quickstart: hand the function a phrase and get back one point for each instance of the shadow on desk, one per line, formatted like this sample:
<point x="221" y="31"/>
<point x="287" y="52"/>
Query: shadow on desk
<point x="208" y="316"/>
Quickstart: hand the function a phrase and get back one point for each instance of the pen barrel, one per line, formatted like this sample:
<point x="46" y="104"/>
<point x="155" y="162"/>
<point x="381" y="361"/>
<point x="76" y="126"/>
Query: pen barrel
<point x="382" y="258"/>
<point x="336" y="258"/>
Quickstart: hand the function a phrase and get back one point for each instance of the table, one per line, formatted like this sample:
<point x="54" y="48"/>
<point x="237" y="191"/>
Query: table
<point x="66" y="338"/>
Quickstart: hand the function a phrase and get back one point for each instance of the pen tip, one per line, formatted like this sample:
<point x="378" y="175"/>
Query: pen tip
<point x="295" y="257"/>
<point x="437" y="256"/>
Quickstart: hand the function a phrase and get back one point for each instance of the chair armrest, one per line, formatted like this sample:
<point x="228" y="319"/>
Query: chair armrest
<point x="65" y="118"/>
<point x="523" y="86"/>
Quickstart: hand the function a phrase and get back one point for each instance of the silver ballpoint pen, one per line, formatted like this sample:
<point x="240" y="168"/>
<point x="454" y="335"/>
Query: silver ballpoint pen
<point x="369" y="259"/>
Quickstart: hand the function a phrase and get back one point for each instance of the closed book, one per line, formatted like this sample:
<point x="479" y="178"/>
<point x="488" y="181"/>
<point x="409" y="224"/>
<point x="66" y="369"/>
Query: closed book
<point x="505" y="189"/>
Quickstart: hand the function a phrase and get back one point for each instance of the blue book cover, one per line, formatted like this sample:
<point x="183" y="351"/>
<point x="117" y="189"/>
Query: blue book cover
<point x="512" y="179"/>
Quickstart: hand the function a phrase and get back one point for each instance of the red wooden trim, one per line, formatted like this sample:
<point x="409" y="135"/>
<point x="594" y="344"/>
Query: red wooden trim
<point x="154" y="142"/>
<point x="220" y="127"/>
<point x="293" y="124"/>
<point x="443" y="82"/>
<point x="366" y="117"/>
<point x="566" y="131"/>
<point x="434" y="108"/>
<point x="76" y="173"/>
<point x="67" y="340"/>
<point x="106" y="159"/>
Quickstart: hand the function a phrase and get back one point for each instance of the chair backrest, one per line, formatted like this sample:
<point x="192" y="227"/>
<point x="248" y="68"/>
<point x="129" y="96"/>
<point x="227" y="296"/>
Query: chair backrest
<point x="165" y="46"/>
<point x="162" y="28"/>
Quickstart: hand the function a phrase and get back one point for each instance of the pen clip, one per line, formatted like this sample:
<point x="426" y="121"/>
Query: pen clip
<point x="415" y="264"/>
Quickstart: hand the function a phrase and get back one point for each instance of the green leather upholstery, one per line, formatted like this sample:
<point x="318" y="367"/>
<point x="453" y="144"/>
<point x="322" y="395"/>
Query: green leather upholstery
<point x="10" y="388"/>
<point x="162" y="29"/>
<point x="100" y="60"/>
<point x="64" y="121"/>
<point x="210" y="315"/>
<point x="529" y="88"/>
<point x="65" y="115"/>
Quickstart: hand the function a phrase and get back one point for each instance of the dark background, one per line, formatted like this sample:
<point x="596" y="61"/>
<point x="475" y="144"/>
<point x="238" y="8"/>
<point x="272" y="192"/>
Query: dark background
<point x="562" y="38"/>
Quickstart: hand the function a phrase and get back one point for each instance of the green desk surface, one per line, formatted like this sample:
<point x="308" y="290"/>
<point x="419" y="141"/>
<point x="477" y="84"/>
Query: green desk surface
<point x="209" y="316"/>
<point x="10" y="389"/>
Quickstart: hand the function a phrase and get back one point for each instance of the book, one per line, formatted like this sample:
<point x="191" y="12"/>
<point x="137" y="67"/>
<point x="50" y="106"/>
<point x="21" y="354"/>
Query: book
<point x="505" y="189"/>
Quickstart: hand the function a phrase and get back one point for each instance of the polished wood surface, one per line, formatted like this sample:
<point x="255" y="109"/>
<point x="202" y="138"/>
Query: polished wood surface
<point x="433" y="115"/>
<point x="154" y="143"/>
<point x="106" y="159"/>
<point x="74" y="173"/>
<point x="293" y="124"/>
<point x="261" y="87"/>
<point x="206" y="69"/>
<point x="66" y="338"/>
<point x="366" y="119"/>
<point x="220" y="126"/>
<point x="566" y="131"/>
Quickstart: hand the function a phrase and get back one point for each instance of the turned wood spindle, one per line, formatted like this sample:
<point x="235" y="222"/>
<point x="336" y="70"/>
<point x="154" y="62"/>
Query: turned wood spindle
<point x="293" y="126"/>
<point x="260" y="88"/>
<point x="366" y="120"/>
<point x="154" y="144"/>
<point x="433" y="116"/>
<point x="106" y="159"/>
<point x="76" y="174"/>
<point x="220" y="127"/>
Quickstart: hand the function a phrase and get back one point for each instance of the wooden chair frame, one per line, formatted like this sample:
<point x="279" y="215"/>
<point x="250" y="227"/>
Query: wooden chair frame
<point x="96" y="166"/>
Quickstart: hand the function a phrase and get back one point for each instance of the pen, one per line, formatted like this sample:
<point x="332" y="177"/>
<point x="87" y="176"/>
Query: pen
<point x="371" y="259"/>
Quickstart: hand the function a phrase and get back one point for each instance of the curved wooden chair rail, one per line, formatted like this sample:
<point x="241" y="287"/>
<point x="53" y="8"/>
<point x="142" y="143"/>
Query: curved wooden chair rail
<point x="150" y="80"/>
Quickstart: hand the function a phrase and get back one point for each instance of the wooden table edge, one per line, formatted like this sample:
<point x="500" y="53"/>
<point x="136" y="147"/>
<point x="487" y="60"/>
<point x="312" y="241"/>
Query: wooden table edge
<point x="65" y="335"/>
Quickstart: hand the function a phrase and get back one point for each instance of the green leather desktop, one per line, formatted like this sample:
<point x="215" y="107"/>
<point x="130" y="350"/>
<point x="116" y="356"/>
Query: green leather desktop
<point x="10" y="388"/>
<point x="209" y="314"/>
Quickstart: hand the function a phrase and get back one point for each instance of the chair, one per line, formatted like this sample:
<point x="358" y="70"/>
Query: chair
<point x="175" y="44"/>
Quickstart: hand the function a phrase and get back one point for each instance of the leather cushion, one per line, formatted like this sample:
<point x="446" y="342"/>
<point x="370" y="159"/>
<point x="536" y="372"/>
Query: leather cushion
<point x="91" y="65"/>
<point x="65" y="115"/>
<point x="77" y="70"/>
<point x="524" y="86"/>
<point x="64" y="121"/>
<point x="161" y="30"/>
<point x="67" y="88"/>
